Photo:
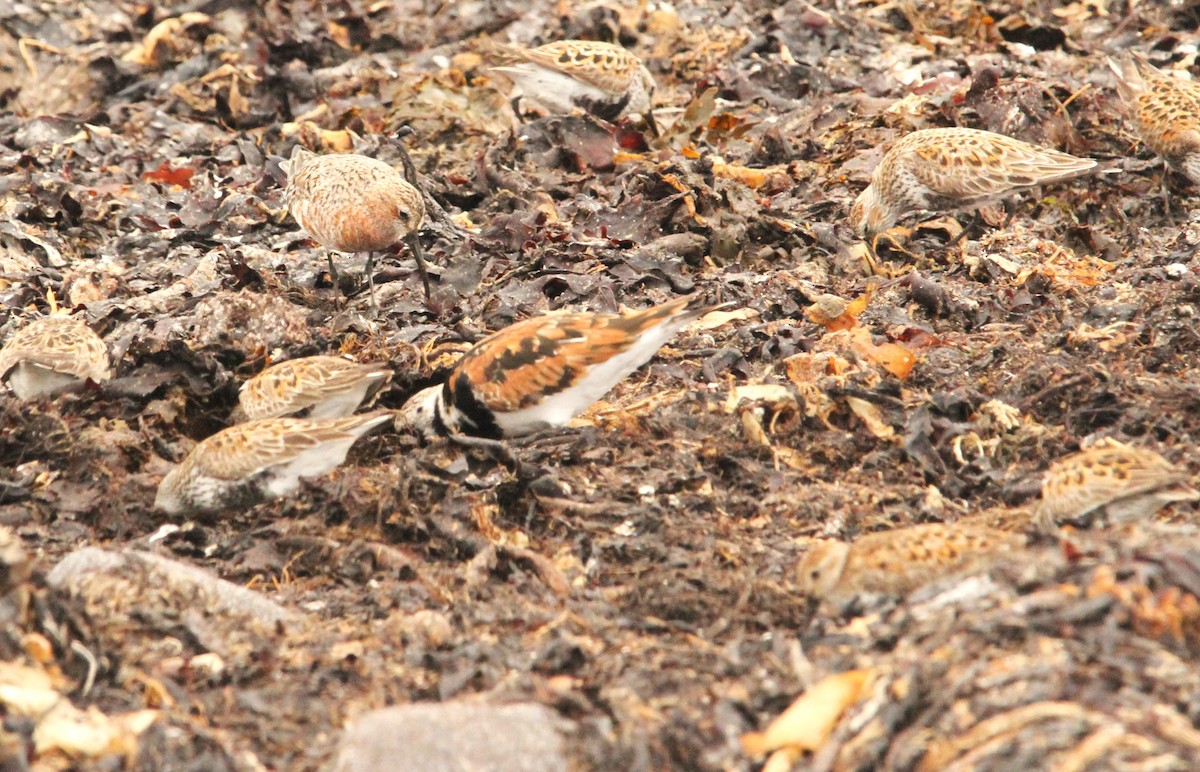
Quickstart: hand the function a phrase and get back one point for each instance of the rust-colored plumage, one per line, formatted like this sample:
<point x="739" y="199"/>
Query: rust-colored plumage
<point x="352" y="203"/>
<point x="542" y="372"/>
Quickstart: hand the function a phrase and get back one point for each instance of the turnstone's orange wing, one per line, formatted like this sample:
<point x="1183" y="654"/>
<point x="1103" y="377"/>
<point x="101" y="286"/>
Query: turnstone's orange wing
<point x="524" y="363"/>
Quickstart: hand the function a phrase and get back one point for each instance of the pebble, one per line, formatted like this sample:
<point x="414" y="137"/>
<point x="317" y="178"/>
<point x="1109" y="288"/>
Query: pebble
<point x="454" y="737"/>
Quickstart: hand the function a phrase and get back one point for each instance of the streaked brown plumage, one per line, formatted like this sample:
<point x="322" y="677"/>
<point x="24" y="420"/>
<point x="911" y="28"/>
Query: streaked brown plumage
<point x="352" y="203"/>
<point x="901" y="560"/>
<point x="250" y="462"/>
<point x="542" y="372"/>
<point x="1110" y="482"/>
<point x="1165" y="111"/>
<point x="51" y="354"/>
<point x="946" y="170"/>
<point x="311" y="387"/>
<point x="601" y="78"/>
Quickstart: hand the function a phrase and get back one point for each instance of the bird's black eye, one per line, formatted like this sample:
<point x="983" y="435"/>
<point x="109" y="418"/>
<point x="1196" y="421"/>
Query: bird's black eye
<point x="814" y="574"/>
<point x="402" y="214"/>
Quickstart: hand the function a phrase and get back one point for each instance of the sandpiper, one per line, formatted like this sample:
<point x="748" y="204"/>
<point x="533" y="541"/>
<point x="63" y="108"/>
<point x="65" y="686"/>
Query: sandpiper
<point x="938" y="170"/>
<point x="352" y="203"/>
<point x="52" y="354"/>
<point x="1109" y="482"/>
<point x="309" y="387"/>
<point x="251" y="462"/>
<point x="900" y="560"/>
<point x="600" y="78"/>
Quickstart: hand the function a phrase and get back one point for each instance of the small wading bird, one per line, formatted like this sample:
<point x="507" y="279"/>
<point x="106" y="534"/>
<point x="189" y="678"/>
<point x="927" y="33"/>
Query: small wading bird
<point x="352" y="203"/>
<point x="599" y="78"/>
<point x="1110" y="482"/>
<point x="540" y="373"/>
<point x="309" y="387"/>
<point x="947" y="170"/>
<point x="1165" y="111"/>
<point x="251" y="462"/>
<point x="53" y="354"/>
<point x="899" y="561"/>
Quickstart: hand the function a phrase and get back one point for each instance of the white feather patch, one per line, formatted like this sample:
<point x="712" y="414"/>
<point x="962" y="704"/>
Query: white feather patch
<point x="555" y="91"/>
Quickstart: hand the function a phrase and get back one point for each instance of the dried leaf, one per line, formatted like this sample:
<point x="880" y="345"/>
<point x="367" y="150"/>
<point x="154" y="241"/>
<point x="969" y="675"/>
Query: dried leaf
<point x="752" y="428"/>
<point x="806" y="369"/>
<point x="148" y="51"/>
<point x="807" y="724"/>
<point x="181" y="177"/>
<point x="697" y="114"/>
<point x="893" y="357"/>
<point x="90" y="733"/>
<point x="773" y="394"/>
<point x="829" y="311"/>
<point x="773" y="177"/>
<point x="715" y="319"/>
<point x="871" y="415"/>
<point x="339" y="34"/>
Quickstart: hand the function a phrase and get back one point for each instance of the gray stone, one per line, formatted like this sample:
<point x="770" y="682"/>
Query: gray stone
<point x="454" y="737"/>
<point x="75" y="571"/>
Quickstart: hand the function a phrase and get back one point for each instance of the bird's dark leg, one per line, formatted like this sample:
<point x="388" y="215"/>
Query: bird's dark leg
<point x="954" y="241"/>
<point x="371" y="280"/>
<point x="496" y="448"/>
<point x="652" y="124"/>
<point x="1166" y="194"/>
<point x="339" y="297"/>
<point x="333" y="277"/>
<point x="414" y="246"/>
<point x="542" y="434"/>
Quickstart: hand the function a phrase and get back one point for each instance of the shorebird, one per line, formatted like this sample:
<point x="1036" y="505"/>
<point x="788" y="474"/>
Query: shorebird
<point x="540" y="373"/>
<point x="600" y="78"/>
<point x="251" y="462"/>
<point x="899" y="561"/>
<point x="309" y="387"/>
<point x="1110" y="482"/>
<point x="352" y="203"/>
<point x="52" y="354"/>
<point x="1165" y="110"/>
<point x="939" y="170"/>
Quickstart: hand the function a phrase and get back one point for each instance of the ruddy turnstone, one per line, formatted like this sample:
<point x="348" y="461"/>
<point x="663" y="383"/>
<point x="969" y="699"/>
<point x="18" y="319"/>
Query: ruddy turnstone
<point x="352" y="203"/>
<point x="251" y="462"/>
<point x="52" y="354"/>
<point x="309" y="387"/>
<point x="937" y="170"/>
<point x="542" y="372"/>
<point x="1165" y="110"/>
<point x="1111" y="482"/>
<point x="600" y="78"/>
<point x="899" y="561"/>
